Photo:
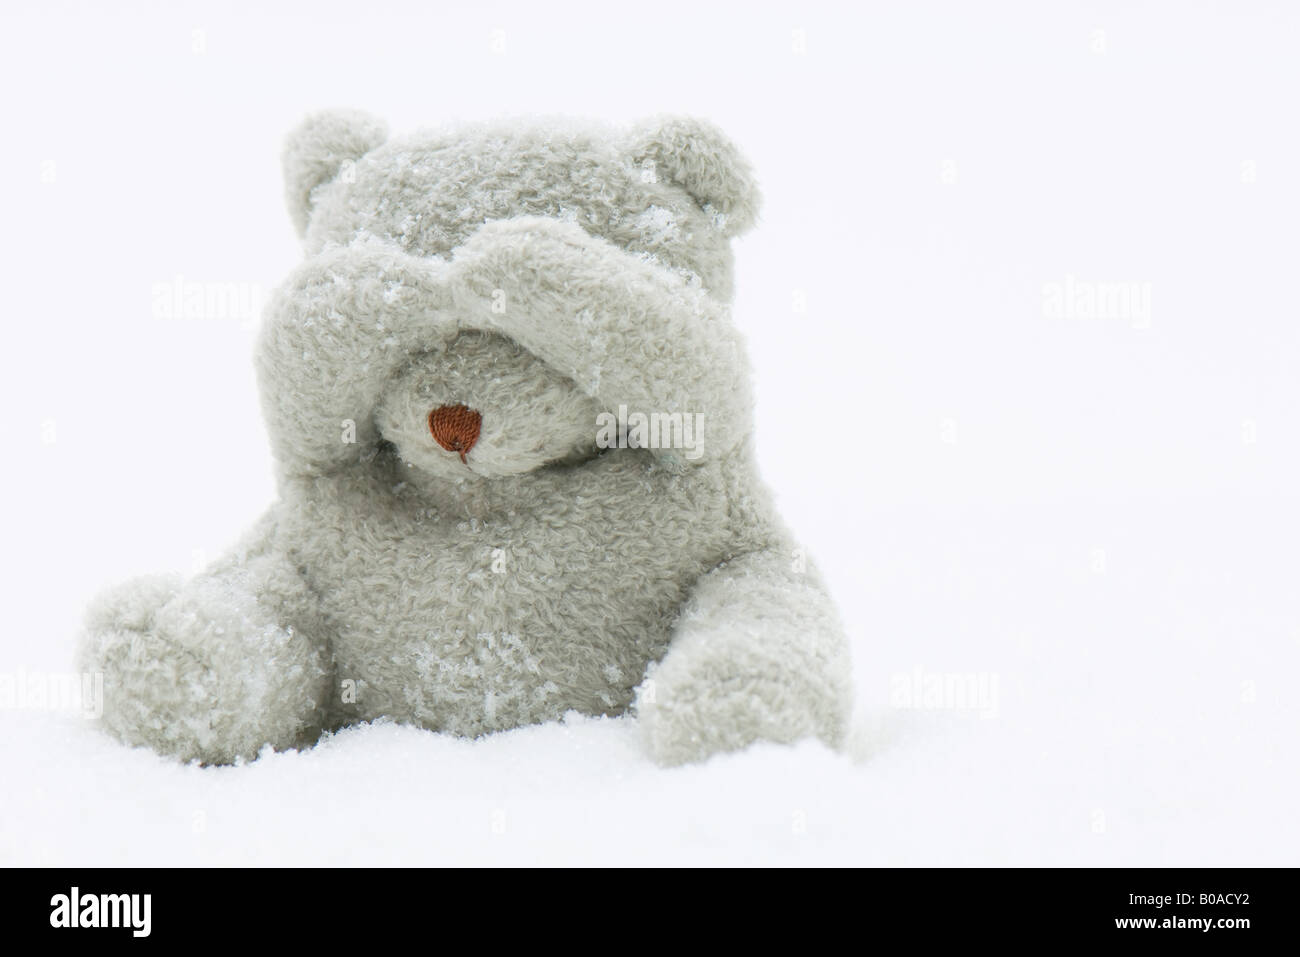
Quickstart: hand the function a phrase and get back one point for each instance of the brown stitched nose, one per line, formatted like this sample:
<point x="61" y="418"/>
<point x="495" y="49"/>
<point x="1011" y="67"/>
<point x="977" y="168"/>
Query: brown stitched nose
<point x="455" y="428"/>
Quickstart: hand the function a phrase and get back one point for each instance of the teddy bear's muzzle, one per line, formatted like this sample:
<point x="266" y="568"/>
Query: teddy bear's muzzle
<point x="455" y="428"/>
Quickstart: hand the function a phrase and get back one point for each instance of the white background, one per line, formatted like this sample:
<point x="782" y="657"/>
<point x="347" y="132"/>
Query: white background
<point x="1097" y="514"/>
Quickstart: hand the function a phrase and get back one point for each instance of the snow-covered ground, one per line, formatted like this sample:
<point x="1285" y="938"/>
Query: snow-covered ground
<point x="1064" y="546"/>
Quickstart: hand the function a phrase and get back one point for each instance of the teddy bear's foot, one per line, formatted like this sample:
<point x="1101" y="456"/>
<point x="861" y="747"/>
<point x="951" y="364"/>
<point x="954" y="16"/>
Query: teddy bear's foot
<point x="758" y="655"/>
<point x="204" y="670"/>
<point x="696" y="719"/>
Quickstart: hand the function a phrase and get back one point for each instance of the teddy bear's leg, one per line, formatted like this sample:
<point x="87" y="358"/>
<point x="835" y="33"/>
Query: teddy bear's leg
<point x="214" y="668"/>
<point x="757" y="654"/>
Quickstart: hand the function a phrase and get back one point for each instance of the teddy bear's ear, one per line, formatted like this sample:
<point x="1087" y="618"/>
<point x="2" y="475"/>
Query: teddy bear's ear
<point x="697" y="156"/>
<point x="317" y="150"/>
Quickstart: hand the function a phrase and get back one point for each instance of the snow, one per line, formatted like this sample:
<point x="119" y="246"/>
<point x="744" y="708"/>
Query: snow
<point x="1092" y="521"/>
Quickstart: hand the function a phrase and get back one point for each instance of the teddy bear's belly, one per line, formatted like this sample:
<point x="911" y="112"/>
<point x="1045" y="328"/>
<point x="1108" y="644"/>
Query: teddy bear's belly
<point x="474" y="626"/>
<point x="506" y="643"/>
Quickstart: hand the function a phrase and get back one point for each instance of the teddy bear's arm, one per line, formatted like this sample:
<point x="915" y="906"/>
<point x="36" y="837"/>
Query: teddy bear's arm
<point x="757" y="654"/>
<point x="627" y="331"/>
<point x="334" y="333"/>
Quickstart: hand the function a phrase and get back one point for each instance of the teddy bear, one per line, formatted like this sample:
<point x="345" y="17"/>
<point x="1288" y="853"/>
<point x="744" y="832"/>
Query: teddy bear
<point x="511" y="422"/>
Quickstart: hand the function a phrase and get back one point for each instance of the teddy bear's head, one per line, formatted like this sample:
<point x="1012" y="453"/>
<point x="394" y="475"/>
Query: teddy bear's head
<point x="672" y="189"/>
<point x="657" y="204"/>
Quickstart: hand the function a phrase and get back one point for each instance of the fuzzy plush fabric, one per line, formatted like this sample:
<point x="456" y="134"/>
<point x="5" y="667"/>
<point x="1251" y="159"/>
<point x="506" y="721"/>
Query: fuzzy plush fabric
<point x="562" y="281"/>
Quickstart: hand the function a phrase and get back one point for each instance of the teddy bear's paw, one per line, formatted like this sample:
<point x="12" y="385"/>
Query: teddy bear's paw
<point x="687" y="718"/>
<point x="154" y="690"/>
<point x="205" y="675"/>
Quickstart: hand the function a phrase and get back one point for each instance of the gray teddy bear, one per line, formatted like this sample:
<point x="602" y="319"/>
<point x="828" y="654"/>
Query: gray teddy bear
<point x="512" y="427"/>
